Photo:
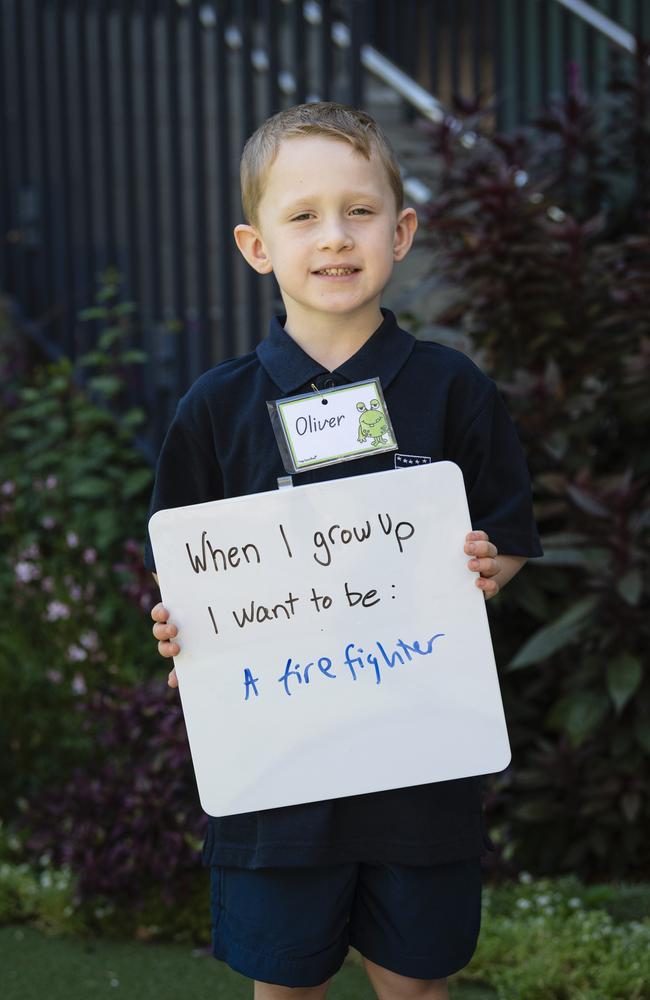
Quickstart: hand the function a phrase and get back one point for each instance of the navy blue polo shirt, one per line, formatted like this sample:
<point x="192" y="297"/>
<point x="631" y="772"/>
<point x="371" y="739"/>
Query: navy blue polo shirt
<point x="221" y="444"/>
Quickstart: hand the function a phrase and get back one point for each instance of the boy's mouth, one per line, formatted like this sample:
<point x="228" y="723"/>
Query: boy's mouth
<point x="336" y="272"/>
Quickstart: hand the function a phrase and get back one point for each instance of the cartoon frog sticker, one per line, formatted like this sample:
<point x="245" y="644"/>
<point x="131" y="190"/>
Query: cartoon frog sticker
<point x="372" y="424"/>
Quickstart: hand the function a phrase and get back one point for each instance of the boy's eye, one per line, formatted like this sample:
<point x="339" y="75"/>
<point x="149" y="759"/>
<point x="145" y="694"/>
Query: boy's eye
<point x="302" y="217"/>
<point x="360" y="211"/>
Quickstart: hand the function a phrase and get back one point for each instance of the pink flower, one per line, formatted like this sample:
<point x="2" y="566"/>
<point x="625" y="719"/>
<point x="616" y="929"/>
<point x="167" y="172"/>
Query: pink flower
<point x="8" y="488"/>
<point x="75" y="592"/>
<point x="48" y="522"/>
<point x="47" y="584"/>
<point x="72" y="539"/>
<point x="31" y="552"/>
<point x="54" y="675"/>
<point x="57" y="610"/>
<point x="51" y="482"/>
<point x="90" y="556"/>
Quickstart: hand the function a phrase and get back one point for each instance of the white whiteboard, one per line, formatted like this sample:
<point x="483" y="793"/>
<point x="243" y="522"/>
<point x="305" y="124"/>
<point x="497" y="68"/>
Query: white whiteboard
<point x="402" y="687"/>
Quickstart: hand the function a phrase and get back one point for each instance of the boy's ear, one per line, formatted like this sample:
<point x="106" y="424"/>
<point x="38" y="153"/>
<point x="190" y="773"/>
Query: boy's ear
<point x="405" y="227"/>
<point x="252" y="248"/>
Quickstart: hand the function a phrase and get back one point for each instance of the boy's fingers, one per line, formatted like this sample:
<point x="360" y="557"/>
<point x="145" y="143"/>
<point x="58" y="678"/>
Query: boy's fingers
<point x="489" y="587"/>
<point x="168" y="648"/>
<point x="164" y="630"/>
<point x="159" y="613"/>
<point x="481" y="550"/>
<point x="486" y="567"/>
<point x="172" y="680"/>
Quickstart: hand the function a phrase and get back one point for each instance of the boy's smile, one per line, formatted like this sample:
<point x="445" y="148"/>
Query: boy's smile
<point x="329" y="229"/>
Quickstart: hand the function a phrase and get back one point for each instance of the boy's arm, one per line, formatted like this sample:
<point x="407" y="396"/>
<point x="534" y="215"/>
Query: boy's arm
<point x="494" y="570"/>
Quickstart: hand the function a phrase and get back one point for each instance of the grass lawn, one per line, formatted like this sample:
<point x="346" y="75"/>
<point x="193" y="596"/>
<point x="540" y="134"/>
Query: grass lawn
<point x="37" y="967"/>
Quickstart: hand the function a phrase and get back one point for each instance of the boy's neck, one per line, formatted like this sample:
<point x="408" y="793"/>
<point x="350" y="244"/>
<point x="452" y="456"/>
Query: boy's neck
<point x="332" y="340"/>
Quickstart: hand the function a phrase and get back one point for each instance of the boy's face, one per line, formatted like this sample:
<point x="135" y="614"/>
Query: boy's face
<point x="328" y="228"/>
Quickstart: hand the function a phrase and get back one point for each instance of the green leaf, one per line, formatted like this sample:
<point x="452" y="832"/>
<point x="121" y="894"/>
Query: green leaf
<point x="557" y="635"/>
<point x="91" y="358"/>
<point x="109" y="385"/>
<point x="132" y="418"/>
<point x="630" y="587"/>
<point x="89" y="489"/>
<point x="623" y="678"/>
<point x="133" y="357"/>
<point x="578" y="714"/>
<point x="111" y="335"/>
<point x="94" y="312"/>
<point x="135" y="482"/>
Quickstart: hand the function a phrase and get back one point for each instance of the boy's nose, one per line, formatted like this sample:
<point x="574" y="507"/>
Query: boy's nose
<point x="334" y="236"/>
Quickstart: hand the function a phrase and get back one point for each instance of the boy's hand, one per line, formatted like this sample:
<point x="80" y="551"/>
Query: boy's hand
<point x="483" y="561"/>
<point x="165" y="633"/>
<point x="493" y="573"/>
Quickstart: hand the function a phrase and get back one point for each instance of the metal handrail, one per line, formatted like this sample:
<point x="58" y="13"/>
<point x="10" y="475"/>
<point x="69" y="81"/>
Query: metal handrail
<point x="380" y="67"/>
<point x="612" y="31"/>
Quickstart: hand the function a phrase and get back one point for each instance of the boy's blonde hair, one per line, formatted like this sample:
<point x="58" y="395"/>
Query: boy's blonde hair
<point x="321" y="118"/>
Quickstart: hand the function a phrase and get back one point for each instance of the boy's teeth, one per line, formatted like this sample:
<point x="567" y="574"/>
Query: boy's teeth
<point x="337" y="270"/>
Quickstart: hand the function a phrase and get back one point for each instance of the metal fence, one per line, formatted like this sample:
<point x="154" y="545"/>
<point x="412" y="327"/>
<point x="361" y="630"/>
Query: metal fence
<point x="121" y="124"/>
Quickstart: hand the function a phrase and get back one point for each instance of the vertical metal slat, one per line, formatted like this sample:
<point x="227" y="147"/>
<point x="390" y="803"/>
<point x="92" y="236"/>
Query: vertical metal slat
<point x="177" y="227"/>
<point x="63" y="241"/>
<point x="202" y="361"/>
<point x="106" y="127"/>
<point x="223" y="220"/>
<point x="132" y="249"/>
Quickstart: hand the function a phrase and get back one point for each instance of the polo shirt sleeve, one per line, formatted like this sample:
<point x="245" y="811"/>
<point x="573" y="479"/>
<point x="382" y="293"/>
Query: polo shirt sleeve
<point x="496" y="478"/>
<point x="187" y="471"/>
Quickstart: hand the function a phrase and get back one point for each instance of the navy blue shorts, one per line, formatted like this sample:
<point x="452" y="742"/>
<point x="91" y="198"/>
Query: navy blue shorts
<point x="293" y="926"/>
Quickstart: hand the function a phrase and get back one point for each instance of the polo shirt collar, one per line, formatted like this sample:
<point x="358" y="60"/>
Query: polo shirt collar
<point x="291" y="368"/>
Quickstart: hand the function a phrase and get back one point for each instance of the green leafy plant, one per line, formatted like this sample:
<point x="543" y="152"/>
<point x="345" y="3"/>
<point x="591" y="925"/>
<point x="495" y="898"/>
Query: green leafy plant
<point x="73" y="501"/>
<point x="556" y="939"/>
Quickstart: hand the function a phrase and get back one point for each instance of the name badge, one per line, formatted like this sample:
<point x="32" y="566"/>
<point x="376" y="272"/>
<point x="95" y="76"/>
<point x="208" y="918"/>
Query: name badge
<point x="331" y="426"/>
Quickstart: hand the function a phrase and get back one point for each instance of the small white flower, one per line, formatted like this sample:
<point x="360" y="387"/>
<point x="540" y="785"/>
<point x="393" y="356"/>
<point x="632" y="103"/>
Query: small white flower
<point x="48" y="522"/>
<point x="89" y="640"/>
<point x="57" y="610"/>
<point x="72" y="539"/>
<point x="26" y="572"/>
<point x="76" y="654"/>
<point x="524" y="904"/>
<point x="574" y="903"/>
<point x="525" y="878"/>
<point x="79" y="684"/>
<point x="51" y="482"/>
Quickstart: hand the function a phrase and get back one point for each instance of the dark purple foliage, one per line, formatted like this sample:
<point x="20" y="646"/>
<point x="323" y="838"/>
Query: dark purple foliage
<point x="546" y="235"/>
<point x="131" y="821"/>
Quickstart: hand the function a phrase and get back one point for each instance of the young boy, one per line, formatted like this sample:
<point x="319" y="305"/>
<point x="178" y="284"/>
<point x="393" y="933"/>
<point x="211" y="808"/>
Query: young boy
<point x="395" y="873"/>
